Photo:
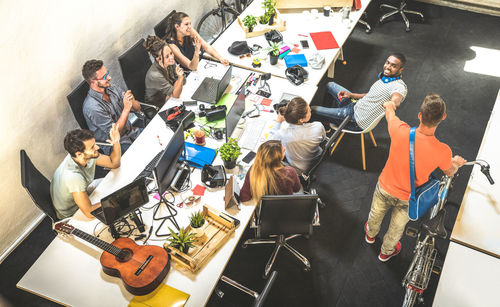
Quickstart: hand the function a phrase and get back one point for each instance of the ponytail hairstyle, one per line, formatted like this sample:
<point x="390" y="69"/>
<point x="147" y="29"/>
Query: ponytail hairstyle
<point x="295" y="110"/>
<point x="171" y="32"/>
<point x="263" y="172"/>
<point x="155" y="45"/>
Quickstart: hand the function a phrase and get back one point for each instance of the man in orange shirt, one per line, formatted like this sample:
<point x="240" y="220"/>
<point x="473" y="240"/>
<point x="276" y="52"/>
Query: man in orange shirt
<point x="393" y="187"/>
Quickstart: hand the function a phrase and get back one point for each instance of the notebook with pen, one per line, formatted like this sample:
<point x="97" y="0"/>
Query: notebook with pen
<point x="211" y="89"/>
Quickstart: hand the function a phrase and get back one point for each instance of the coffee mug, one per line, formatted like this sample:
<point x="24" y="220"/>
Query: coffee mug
<point x="326" y="11"/>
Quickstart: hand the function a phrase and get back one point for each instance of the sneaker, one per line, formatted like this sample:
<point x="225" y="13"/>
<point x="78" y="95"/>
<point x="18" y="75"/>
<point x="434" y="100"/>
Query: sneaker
<point x="384" y="258"/>
<point x="368" y="239"/>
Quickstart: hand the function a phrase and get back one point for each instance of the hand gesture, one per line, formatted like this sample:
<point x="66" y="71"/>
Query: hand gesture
<point x="344" y="94"/>
<point x="128" y="99"/>
<point x="179" y="71"/>
<point x="197" y="43"/>
<point x="114" y="134"/>
<point x="458" y="161"/>
<point x="389" y="104"/>
<point x="225" y="62"/>
<point x="280" y="118"/>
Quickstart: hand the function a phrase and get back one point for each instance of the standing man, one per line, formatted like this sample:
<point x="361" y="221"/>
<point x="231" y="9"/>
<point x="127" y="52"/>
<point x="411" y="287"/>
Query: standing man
<point x="73" y="178"/>
<point x="107" y="104"/>
<point x="393" y="188"/>
<point x="366" y="107"/>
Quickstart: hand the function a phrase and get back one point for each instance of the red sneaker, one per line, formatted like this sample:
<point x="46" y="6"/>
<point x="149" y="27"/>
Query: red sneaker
<point x="384" y="258"/>
<point x="368" y="239"/>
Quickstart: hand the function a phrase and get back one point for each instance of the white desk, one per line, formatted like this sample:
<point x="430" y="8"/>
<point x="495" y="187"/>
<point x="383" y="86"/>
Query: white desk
<point x="478" y="221"/>
<point x="69" y="271"/>
<point x="296" y="23"/>
<point x="469" y="278"/>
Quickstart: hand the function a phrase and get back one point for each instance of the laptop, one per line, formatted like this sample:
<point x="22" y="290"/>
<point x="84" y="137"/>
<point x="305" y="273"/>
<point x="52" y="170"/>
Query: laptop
<point x="122" y="202"/>
<point x="211" y="89"/>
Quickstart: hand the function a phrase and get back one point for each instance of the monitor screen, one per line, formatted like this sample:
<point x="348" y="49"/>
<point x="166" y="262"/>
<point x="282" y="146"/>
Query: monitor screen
<point x="224" y="82"/>
<point x="166" y="168"/>
<point x="234" y="115"/>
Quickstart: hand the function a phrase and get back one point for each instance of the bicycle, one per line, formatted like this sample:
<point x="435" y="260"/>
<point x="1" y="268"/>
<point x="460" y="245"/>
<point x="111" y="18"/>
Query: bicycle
<point x="422" y="265"/>
<point x="217" y="20"/>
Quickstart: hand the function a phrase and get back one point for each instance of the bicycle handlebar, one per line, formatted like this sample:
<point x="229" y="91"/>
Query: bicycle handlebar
<point x="485" y="168"/>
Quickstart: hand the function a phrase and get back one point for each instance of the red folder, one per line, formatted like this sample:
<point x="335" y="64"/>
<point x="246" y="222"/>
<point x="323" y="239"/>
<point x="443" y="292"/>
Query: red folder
<point x="324" y="40"/>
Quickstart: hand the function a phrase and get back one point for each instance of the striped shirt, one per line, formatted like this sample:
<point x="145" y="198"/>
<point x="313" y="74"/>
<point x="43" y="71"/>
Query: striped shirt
<point x="369" y="108"/>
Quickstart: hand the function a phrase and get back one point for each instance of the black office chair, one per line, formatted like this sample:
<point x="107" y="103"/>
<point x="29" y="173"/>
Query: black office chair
<point x="284" y="215"/>
<point x="259" y="298"/>
<point x="368" y="28"/>
<point x="402" y="11"/>
<point x="76" y="99"/>
<point x="135" y="63"/>
<point x="37" y="186"/>
<point x="161" y="27"/>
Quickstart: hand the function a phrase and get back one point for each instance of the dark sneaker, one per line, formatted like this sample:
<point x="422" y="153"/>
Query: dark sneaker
<point x="368" y="239"/>
<point x="384" y="258"/>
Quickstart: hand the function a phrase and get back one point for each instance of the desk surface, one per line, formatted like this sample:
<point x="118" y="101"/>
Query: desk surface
<point x="478" y="221"/>
<point x="69" y="263"/>
<point x="296" y="23"/>
<point x="469" y="278"/>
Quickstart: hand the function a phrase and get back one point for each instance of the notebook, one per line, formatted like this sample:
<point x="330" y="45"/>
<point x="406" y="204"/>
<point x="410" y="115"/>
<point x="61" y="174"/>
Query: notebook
<point x="324" y="40"/>
<point x="211" y="89"/>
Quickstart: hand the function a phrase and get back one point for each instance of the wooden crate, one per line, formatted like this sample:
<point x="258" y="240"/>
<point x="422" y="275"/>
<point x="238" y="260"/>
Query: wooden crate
<point x="311" y="4"/>
<point x="279" y="25"/>
<point x="218" y="231"/>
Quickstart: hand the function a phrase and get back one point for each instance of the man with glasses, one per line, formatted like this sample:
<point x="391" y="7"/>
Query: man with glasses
<point x="107" y="104"/>
<point x="74" y="178"/>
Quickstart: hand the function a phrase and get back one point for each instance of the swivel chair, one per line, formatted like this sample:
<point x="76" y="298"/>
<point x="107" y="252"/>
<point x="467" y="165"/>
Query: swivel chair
<point x="281" y="218"/>
<point x="76" y="99"/>
<point x="37" y="186"/>
<point x="259" y="298"/>
<point x="401" y="10"/>
<point x="161" y="28"/>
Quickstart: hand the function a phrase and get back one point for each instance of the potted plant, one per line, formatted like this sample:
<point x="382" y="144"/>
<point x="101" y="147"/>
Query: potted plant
<point x="270" y="10"/>
<point x="249" y="21"/>
<point x="264" y="19"/>
<point x="182" y="240"/>
<point x="229" y="152"/>
<point x="198" y="223"/>
<point x="274" y="53"/>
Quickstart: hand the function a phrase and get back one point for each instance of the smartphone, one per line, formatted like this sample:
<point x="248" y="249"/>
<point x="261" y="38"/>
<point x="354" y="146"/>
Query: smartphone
<point x="190" y="103"/>
<point x="264" y="94"/>
<point x="249" y="157"/>
<point x="304" y="44"/>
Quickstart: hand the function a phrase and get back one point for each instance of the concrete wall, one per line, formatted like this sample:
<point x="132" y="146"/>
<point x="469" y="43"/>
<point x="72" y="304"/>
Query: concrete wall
<point x="43" y="45"/>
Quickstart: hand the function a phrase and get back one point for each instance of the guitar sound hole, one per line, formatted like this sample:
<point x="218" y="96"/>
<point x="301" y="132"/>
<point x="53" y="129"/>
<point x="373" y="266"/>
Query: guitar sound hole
<point x="124" y="255"/>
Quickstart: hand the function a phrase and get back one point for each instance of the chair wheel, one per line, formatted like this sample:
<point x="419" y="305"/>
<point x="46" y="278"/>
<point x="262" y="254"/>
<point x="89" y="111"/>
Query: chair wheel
<point x="368" y="31"/>
<point x="307" y="269"/>
<point x="244" y="245"/>
<point x="264" y="276"/>
<point x="408" y="29"/>
<point x="307" y="237"/>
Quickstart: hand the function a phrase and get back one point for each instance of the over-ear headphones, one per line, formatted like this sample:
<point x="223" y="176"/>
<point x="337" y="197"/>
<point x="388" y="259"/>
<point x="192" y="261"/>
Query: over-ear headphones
<point x="296" y="74"/>
<point x="386" y="79"/>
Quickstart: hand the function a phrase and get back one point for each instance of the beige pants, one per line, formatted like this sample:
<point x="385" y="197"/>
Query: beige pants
<point x="381" y="203"/>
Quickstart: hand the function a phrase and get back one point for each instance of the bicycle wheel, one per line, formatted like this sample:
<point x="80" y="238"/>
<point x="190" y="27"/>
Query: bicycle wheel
<point x="214" y="23"/>
<point x="410" y="297"/>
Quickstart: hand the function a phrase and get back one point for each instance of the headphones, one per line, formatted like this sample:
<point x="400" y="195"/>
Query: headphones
<point x="386" y="79"/>
<point x="296" y="74"/>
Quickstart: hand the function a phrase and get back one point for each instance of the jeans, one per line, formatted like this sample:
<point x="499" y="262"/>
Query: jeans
<point x="342" y="108"/>
<point x="381" y="203"/>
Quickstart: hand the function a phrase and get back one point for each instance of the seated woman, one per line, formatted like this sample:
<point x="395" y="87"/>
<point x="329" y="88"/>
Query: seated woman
<point x="164" y="79"/>
<point x="301" y="139"/>
<point x="268" y="176"/>
<point x="186" y="43"/>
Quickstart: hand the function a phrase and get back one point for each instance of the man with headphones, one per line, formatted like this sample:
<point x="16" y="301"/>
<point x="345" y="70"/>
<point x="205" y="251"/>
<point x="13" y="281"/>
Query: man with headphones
<point x="366" y="107"/>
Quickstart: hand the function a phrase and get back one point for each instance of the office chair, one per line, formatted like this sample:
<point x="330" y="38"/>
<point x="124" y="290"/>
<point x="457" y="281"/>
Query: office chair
<point x="259" y="298"/>
<point x="284" y="215"/>
<point x="37" y="186"/>
<point x="135" y="63"/>
<point x="368" y="28"/>
<point x="161" y="27"/>
<point x="401" y="10"/>
<point x="76" y="99"/>
<point x="362" y="133"/>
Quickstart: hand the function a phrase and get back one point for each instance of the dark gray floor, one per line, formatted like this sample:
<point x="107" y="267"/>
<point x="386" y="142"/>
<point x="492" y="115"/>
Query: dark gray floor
<point x="346" y="271"/>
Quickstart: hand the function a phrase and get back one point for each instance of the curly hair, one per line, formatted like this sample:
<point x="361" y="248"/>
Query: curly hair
<point x="90" y="68"/>
<point x="171" y="32"/>
<point x="73" y="141"/>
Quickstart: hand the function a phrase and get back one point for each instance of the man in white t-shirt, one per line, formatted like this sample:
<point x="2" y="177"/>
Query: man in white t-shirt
<point x="365" y="108"/>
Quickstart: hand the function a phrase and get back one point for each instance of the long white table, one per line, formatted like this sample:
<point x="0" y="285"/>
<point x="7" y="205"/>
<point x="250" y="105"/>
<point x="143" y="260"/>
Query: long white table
<point x="69" y="272"/>
<point x="297" y="25"/>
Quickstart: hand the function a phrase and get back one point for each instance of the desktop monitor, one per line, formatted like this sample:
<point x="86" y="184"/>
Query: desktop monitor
<point x="166" y="168"/>
<point x="234" y="114"/>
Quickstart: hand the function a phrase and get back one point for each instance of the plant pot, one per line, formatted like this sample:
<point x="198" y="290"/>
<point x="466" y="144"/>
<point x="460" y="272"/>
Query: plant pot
<point x="200" y="231"/>
<point x="250" y="30"/>
<point x="273" y="59"/>
<point x="271" y="20"/>
<point x="230" y="164"/>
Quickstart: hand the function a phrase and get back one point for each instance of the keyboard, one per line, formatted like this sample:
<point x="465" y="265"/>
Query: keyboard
<point x="148" y="170"/>
<point x="252" y="133"/>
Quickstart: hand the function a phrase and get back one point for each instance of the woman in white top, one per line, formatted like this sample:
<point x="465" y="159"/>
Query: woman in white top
<point x="300" y="138"/>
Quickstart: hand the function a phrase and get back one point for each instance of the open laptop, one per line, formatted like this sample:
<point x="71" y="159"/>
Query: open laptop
<point x="122" y="202"/>
<point x="211" y="89"/>
<point x="234" y="114"/>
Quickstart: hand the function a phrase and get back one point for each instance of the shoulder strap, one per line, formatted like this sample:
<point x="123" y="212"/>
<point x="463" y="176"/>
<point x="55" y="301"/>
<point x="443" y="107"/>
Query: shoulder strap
<point x="412" y="163"/>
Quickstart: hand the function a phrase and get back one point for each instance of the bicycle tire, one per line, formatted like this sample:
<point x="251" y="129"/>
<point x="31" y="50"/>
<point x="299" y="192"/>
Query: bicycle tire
<point x="410" y="298"/>
<point x="213" y="24"/>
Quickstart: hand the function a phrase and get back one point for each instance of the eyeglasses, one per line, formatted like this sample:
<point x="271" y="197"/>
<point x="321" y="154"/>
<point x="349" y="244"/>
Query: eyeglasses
<point x="105" y="77"/>
<point x="245" y="55"/>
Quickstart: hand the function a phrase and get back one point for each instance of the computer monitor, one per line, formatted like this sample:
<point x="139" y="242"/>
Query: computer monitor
<point x="234" y="114"/>
<point x="166" y="168"/>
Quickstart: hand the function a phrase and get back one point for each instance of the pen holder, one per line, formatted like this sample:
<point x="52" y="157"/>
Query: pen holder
<point x="199" y="137"/>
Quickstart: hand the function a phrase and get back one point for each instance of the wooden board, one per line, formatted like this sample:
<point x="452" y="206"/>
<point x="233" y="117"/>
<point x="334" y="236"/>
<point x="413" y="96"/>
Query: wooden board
<point x="279" y="25"/>
<point x="216" y="234"/>
<point x="310" y="4"/>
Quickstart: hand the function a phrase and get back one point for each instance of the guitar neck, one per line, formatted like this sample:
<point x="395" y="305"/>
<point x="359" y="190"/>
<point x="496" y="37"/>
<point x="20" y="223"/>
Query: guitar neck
<point x="97" y="242"/>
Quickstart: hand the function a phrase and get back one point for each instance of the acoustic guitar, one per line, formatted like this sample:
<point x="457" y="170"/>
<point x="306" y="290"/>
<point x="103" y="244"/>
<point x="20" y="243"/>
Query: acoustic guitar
<point x="142" y="268"/>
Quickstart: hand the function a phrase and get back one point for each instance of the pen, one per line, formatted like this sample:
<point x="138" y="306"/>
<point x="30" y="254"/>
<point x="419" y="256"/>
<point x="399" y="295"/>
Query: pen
<point x="159" y="141"/>
<point x="302" y="35"/>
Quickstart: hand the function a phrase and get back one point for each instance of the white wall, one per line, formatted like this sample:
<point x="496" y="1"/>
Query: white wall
<point x="43" y="45"/>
